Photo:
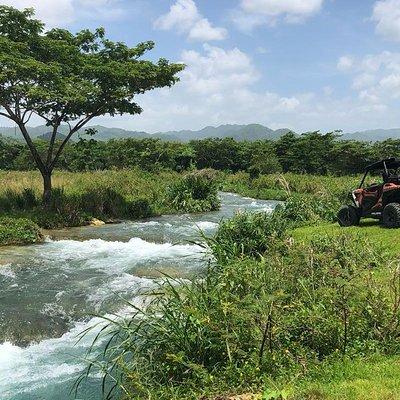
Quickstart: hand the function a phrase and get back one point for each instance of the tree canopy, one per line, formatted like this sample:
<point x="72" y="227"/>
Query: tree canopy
<point x="67" y="78"/>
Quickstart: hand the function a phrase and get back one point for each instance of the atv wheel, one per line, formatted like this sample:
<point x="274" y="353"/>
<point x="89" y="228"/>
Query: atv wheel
<point x="348" y="216"/>
<point x="391" y="215"/>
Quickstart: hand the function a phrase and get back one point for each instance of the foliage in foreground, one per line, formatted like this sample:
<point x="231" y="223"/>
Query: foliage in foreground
<point x="18" y="231"/>
<point x="269" y="314"/>
<point x="247" y="234"/>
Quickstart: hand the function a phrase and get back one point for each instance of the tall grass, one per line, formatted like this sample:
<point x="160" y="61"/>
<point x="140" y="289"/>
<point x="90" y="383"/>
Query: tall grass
<point x="275" y="308"/>
<point x="109" y="195"/>
<point x="281" y="186"/>
<point x="78" y="197"/>
<point x="195" y="192"/>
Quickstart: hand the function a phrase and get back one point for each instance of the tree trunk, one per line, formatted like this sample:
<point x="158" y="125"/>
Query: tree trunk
<point x="46" y="189"/>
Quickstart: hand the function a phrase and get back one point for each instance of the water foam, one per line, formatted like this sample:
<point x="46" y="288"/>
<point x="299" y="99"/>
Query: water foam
<point x="206" y="225"/>
<point x="114" y="257"/>
<point x="7" y="272"/>
<point x="125" y="283"/>
<point x="24" y="370"/>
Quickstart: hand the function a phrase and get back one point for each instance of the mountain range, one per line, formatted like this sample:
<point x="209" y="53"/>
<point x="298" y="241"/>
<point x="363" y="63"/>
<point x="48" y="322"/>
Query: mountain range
<point x="238" y="132"/>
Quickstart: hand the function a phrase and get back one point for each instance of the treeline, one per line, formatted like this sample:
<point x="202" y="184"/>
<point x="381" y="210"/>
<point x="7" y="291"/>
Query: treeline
<point x="311" y="153"/>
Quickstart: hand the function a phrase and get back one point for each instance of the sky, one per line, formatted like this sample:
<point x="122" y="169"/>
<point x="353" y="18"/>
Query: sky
<point x="305" y="65"/>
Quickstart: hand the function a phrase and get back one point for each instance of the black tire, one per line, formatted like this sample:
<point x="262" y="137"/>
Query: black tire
<point x="391" y="215"/>
<point x="348" y="216"/>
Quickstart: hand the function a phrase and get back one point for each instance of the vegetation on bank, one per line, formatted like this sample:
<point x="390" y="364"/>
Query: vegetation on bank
<point x="195" y="192"/>
<point x="270" y="314"/>
<point x="105" y="195"/>
<point x="19" y="231"/>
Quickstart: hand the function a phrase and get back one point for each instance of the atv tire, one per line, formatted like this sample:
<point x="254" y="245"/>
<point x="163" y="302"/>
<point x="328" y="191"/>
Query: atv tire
<point x="348" y="216"/>
<point x="391" y="215"/>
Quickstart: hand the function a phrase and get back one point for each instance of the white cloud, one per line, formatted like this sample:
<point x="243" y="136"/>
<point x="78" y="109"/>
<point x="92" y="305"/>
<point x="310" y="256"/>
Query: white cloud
<point x="217" y="70"/>
<point x="345" y="63"/>
<point x="253" y="13"/>
<point x="376" y="77"/>
<point x="52" y="12"/>
<point x="203" y="31"/>
<point x="386" y="14"/>
<point x="220" y="86"/>
<point x="64" y="12"/>
<point x="328" y="90"/>
<point x="184" y="16"/>
<point x="282" y="7"/>
<point x="363" y="80"/>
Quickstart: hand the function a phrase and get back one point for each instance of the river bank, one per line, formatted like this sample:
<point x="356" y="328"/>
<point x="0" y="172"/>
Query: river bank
<point x="94" y="198"/>
<point x="49" y="290"/>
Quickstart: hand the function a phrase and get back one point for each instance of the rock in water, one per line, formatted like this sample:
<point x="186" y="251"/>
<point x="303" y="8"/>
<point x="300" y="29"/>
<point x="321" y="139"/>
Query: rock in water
<point x="96" y="222"/>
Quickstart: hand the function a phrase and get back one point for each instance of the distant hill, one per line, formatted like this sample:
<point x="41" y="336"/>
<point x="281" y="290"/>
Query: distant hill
<point x="250" y="132"/>
<point x="373" y="135"/>
<point x="47" y="136"/>
<point x="238" y="132"/>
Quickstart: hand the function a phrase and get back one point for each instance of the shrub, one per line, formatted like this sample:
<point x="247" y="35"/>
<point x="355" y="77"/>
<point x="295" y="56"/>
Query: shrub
<point x="304" y="209"/>
<point x="195" y="192"/>
<point x="246" y="235"/>
<point x="18" y="231"/>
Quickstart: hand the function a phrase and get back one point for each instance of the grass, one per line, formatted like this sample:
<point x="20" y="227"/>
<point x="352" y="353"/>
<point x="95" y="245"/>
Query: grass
<point x="77" y="198"/>
<point x="131" y="184"/>
<point x="292" y="300"/>
<point x="387" y="240"/>
<point x="373" y="378"/>
<point x="281" y="186"/>
<point x="261" y="313"/>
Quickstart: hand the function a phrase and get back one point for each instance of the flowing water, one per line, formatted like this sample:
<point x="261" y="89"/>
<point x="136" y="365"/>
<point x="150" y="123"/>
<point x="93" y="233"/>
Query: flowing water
<point x="48" y="292"/>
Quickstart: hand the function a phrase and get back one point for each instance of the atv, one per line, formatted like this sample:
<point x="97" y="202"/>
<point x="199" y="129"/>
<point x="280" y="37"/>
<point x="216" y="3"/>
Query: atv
<point x="379" y="200"/>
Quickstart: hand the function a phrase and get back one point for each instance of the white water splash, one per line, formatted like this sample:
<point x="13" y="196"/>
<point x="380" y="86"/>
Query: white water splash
<point x="6" y="271"/>
<point x="113" y="257"/>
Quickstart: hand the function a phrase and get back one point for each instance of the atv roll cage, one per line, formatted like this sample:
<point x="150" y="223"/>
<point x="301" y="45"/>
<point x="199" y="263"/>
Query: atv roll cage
<point x="383" y="165"/>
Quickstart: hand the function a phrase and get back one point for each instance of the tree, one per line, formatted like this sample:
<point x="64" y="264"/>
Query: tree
<point x="67" y="78"/>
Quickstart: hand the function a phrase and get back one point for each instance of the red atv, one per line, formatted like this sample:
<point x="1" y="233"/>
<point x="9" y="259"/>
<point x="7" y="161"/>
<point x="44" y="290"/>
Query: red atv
<point x="379" y="200"/>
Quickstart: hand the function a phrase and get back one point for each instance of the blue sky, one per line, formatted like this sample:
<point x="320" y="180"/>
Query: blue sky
<point x="301" y="64"/>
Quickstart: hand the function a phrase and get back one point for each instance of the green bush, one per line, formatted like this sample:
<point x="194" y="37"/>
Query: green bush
<point x="195" y="192"/>
<point x="18" y="231"/>
<point x="246" y="235"/>
<point x="303" y="209"/>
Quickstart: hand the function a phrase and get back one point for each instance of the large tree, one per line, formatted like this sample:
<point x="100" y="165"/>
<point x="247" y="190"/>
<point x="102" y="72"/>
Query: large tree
<point x="67" y="78"/>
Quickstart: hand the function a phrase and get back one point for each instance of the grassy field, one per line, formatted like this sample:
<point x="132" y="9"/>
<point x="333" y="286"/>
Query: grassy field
<point x="388" y="240"/>
<point x="130" y="184"/>
<point x="375" y="378"/>
<point x="207" y="343"/>
<point x="78" y="198"/>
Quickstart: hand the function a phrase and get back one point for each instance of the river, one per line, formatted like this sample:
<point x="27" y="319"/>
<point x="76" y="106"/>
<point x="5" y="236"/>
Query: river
<point x="49" y="291"/>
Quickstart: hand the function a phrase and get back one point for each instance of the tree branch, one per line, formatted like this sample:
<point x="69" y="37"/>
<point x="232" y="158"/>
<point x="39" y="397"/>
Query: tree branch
<point x="51" y="145"/>
<point x="32" y="147"/>
<point x="78" y="126"/>
<point x="28" y="140"/>
<point x="7" y="116"/>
